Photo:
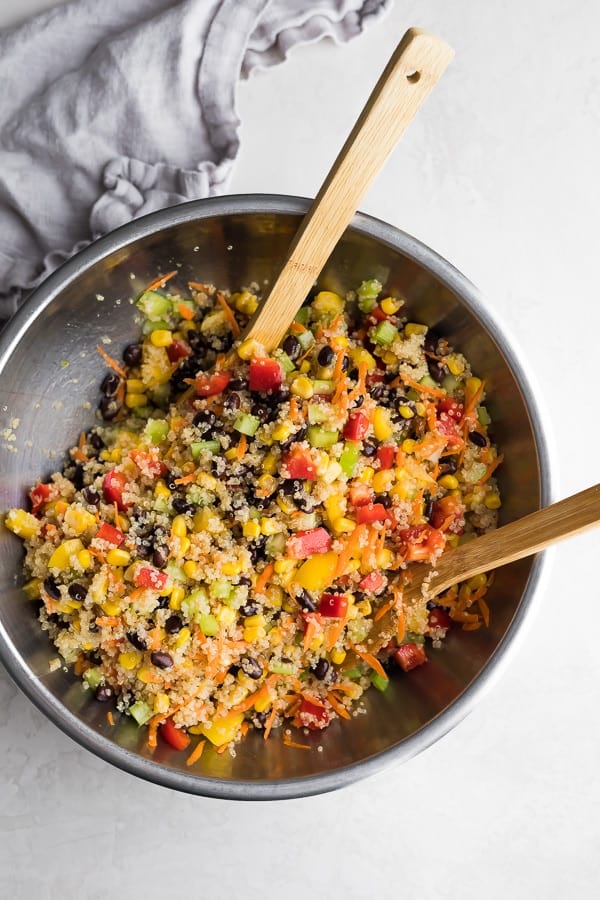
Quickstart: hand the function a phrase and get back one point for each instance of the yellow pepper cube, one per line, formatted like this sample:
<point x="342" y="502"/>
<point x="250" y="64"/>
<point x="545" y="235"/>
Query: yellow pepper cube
<point x="414" y="328"/>
<point x="251" y="529"/>
<point x="317" y="572"/>
<point x="269" y="526"/>
<point x="327" y="303"/>
<point x="382" y="424"/>
<point x="182" y="638"/>
<point x="270" y="462"/>
<point x="161" y="702"/>
<point x="22" y="523"/>
<point x="62" y="557"/>
<point x="343" y="525"/>
<point x="383" y="480"/>
<point x="366" y="476"/>
<point x="280" y="433"/>
<point x="111" y="607"/>
<point x="223" y="730"/>
<point x="118" y="557"/>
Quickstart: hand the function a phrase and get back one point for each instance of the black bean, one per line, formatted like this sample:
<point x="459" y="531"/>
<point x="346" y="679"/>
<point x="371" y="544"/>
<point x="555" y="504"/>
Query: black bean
<point x="292" y="347"/>
<point x="104" y="693"/>
<point x="110" y="384"/>
<point x="279" y="396"/>
<point x="261" y="718"/>
<point x="51" y="588"/>
<point x="181" y="505"/>
<point x="160" y="557"/>
<point x="305" y="503"/>
<point x="384" y="499"/>
<point x="138" y="642"/>
<point x="431" y="341"/>
<point x="263" y="412"/>
<point x="204" y="417"/>
<point x="173" y="624"/>
<point x="170" y="480"/>
<point x="244" y="580"/>
<point x="238" y="384"/>
<point x="353" y="374"/>
<point x="161" y="660"/>
<point x="109" y="408"/>
<point x="95" y="440"/>
<point x="436" y="370"/>
<point x="132" y="354"/>
<point x="163" y="602"/>
<point x="477" y="438"/>
<point x="249" y="609"/>
<point x="92" y="626"/>
<point x="196" y="340"/>
<point x="305" y="601"/>
<point x="77" y="591"/>
<point x="232" y="401"/>
<point x="144" y="547"/>
<point x="326" y="356"/>
<point x="321" y="669"/>
<point x="359" y="401"/>
<point x="377" y="390"/>
<point x="58" y="621"/>
<point x="369" y="447"/>
<point x="345" y="363"/>
<point x="77" y="476"/>
<point x="291" y="486"/>
<point x="428" y="509"/>
<point x="251" y="667"/>
<point x="449" y="464"/>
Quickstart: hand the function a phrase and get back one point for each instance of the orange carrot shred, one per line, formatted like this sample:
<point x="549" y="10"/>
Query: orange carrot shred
<point x="269" y="724"/>
<point x="491" y="469"/>
<point x="242" y="446"/>
<point x="110" y="718"/>
<point x="371" y="661"/>
<point x="108" y="621"/>
<point x="185" y="312"/>
<point x="196" y="753"/>
<point x="419" y="388"/>
<point x="186" y="479"/>
<point x="383" y="610"/>
<point x="110" y="362"/>
<point x="159" y="282"/>
<point x="312" y="699"/>
<point x="263" y="578"/>
<point x="235" y="328"/>
<point x="338" y="706"/>
<point x="199" y="286"/>
<point x="290" y="743"/>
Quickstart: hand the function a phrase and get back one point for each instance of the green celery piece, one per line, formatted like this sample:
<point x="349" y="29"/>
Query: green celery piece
<point x="367" y="294"/>
<point x="285" y="362"/>
<point x="353" y="674"/>
<point x="174" y="571"/>
<point x="378" y="682"/>
<point x="428" y="381"/>
<point x="385" y="333"/>
<point x="318" y="413"/>
<point x="483" y="415"/>
<point x="281" y="668"/>
<point x="94" y="677"/>
<point x="141" y="711"/>
<point x="198" y="447"/>
<point x="154" y="305"/>
<point x="221" y="589"/>
<point x="306" y="339"/>
<point x="323" y="386"/>
<point x="319" y="437"/>
<point x="247" y="424"/>
<point x="302" y="315"/>
<point x="157" y="430"/>
<point x="450" y="383"/>
<point x="349" y="457"/>
<point x="208" y="624"/>
<point x="275" y="544"/>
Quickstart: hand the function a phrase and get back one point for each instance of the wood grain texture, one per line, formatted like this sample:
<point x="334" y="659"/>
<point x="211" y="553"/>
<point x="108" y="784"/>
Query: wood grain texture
<point x="413" y="70"/>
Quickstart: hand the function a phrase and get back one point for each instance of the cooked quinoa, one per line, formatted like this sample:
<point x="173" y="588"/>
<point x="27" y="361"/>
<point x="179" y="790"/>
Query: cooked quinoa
<point x="220" y="546"/>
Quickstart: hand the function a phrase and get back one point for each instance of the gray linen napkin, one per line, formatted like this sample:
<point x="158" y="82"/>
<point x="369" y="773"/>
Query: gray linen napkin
<point x="110" y="109"/>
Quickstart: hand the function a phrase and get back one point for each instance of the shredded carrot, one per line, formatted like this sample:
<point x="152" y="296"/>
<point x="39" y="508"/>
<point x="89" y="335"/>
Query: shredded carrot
<point x="351" y="545"/>
<point x="79" y="453"/>
<point x="471" y="626"/>
<point x="196" y="753"/>
<point x="269" y="724"/>
<point x="159" y="282"/>
<point x="235" y="328"/>
<point x="294" y="409"/>
<point x="262" y="693"/>
<point x="263" y="578"/>
<point x="339" y="363"/>
<point x="242" y="446"/>
<point x="110" y="362"/>
<point x="371" y="661"/>
<point x="294" y="707"/>
<point x="244" y="728"/>
<point x="297" y="328"/>
<point x="485" y="611"/>
<point x="110" y="718"/>
<point x="117" y="517"/>
<point x="186" y="479"/>
<point x="419" y="388"/>
<point x="185" y="312"/>
<point x="338" y="706"/>
<point x="491" y="468"/>
<point x="198" y="286"/>
<point x="383" y="610"/>
<point x="290" y="743"/>
<point x="312" y="629"/>
<point x="108" y="621"/>
<point x="153" y="724"/>
<point x="473" y="401"/>
<point x="314" y="700"/>
<point x="335" y="632"/>
<point x="222" y="748"/>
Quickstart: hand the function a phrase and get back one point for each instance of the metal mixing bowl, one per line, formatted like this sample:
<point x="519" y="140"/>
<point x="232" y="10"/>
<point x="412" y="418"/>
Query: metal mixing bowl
<point x="49" y="376"/>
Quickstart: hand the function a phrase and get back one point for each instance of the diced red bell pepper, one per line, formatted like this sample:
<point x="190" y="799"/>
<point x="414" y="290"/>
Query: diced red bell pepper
<point x="439" y="618"/>
<point x="386" y="456"/>
<point x="360" y="494"/>
<point x="177" y="738"/>
<point x="307" y="543"/>
<point x="178" y="349"/>
<point x="373" y="582"/>
<point x="265" y="374"/>
<point x="378" y="314"/>
<point x="447" y="512"/>
<point x="372" y="512"/>
<point x="449" y="414"/>
<point x="375" y="377"/>
<point x="356" y="427"/>
<point x="147" y="577"/>
<point x="209" y="385"/>
<point x="148" y="463"/>
<point x="335" y="606"/>
<point x="110" y="534"/>
<point x="312" y="716"/>
<point x="410" y="655"/>
<point x="450" y="408"/>
<point x="113" y="486"/>
<point x="299" y="464"/>
<point x="40" y="494"/>
<point x="422" y="542"/>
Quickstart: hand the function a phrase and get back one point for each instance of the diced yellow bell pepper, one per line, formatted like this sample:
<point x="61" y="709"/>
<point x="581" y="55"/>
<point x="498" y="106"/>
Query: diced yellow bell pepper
<point x="130" y="659"/>
<point x="382" y="424"/>
<point x="327" y="303"/>
<point x="64" y="553"/>
<point x="22" y="523"/>
<point x="223" y="730"/>
<point x="318" y="571"/>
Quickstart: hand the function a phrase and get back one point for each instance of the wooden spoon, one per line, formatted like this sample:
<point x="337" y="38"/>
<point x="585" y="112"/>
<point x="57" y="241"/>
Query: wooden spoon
<point x="413" y="70"/>
<point x="521" y="538"/>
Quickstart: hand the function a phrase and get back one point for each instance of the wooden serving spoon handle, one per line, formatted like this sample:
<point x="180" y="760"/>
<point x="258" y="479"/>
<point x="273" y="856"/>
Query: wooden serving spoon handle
<point x="413" y="70"/>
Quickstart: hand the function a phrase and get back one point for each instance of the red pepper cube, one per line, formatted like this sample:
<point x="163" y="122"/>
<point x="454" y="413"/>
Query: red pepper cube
<point x="439" y="618"/>
<point x="374" y="582"/>
<point x="311" y="715"/>
<point x="177" y="350"/>
<point x="334" y="606"/>
<point x="147" y="577"/>
<point x="210" y="385"/>
<point x="371" y="512"/>
<point x="386" y="456"/>
<point x="113" y="487"/>
<point x="307" y="543"/>
<point x="41" y="494"/>
<point x="360" y="494"/>
<point x="298" y="463"/>
<point x="110" y="534"/>
<point x="410" y="655"/>
<point x="148" y="464"/>
<point x="177" y="738"/>
<point x="265" y="374"/>
<point x="356" y="427"/>
<point x="422" y="542"/>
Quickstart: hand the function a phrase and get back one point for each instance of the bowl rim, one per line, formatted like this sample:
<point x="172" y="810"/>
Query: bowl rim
<point x="441" y="724"/>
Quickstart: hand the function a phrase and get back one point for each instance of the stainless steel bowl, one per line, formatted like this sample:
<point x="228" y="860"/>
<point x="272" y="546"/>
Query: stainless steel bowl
<point x="49" y="373"/>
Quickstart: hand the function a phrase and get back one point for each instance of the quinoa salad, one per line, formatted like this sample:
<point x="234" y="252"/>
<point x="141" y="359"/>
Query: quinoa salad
<point x="219" y="548"/>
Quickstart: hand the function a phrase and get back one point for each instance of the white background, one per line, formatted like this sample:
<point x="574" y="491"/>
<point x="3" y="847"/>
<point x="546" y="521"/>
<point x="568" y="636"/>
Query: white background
<point x="500" y="175"/>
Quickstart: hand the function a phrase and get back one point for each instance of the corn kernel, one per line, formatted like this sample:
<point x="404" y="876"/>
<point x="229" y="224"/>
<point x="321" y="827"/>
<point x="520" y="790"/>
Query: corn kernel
<point x="275" y="637"/>
<point x="448" y="481"/>
<point x="284" y="566"/>
<point x="383" y="480"/>
<point x="472" y="385"/>
<point x="327" y="303"/>
<point x="477" y="581"/>
<point x="179" y="527"/>
<point x="302" y="387"/>
<point x="145" y="675"/>
<point x="250" y="348"/>
<point x="335" y="506"/>
<point x="382" y="424"/>
<point x="414" y="328"/>
<point x="22" y="523"/>
<point x="492" y="501"/>
<point x="389" y="358"/>
<point x="281" y="432"/>
<point x="79" y="519"/>
<point x="118" y="557"/>
<point x="231" y="454"/>
<point x="405" y="411"/>
<point x="274" y="596"/>
<point x="192" y="569"/>
<point x="285" y="505"/>
<point x="184" y="546"/>
<point x="390" y="305"/>
<point x="420" y="409"/>
<point x="251" y="529"/>
<point x="269" y="526"/>
<point x="60" y="507"/>
<point x="304" y="367"/>
<point x="135" y="386"/>
<point x="177" y="595"/>
<point x="266" y="484"/>
<point x="231" y="567"/>
<point x="245" y="302"/>
<point x="183" y="637"/>
<point x="161" y="490"/>
<point x="289" y="606"/>
<point x="317" y="641"/>
<point x="343" y="525"/>
<point x="115" y="455"/>
<point x="207" y="481"/>
<point x="161" y="702"/>
<point x="366" y="476"/>
<point x="452" y="540"/>
<point x="364" y="608"/>
<point x="456" y="365"/>
<point x="161" y="337"/>
<point x="111" y="607"/>
<point x="464" y="593"/>
<point x="338" y="657"/>
<point x="385" y="558"/>
<point x="270" y="462"/>
<point x="133" y="401"/>
<point x="253" y="633"/>
<point x="130" y="659"/>
<point x="257" y="620"/>
<point x="359" y="354"/>
<point x="226" y="616"/>
<point x="31" y="588"/>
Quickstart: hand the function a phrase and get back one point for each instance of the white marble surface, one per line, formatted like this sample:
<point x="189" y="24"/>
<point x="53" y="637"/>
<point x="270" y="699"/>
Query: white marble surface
<point x="500" y="175"/>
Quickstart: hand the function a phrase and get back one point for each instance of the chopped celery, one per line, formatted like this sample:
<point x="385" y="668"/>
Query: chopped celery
<point x="302" y="315"/>
<point x="160" y="395"/>
<point x="221" y="589"/>
<point x="209" y="624"/>
<point x="412" y="637"/>
<point x="483" y="415"/>
<point x="367" y="294"/>
<point x="285" y="362"/>
<point x="474" y="472"/>
<point x="94" y="677"/>
<point x="450" y="383"/>
<point x="323" y="386"/>
<point x="385" y="333"/>
<point x="160" y="504"/>
<point x="199" y="447"/>
<point x="143" y="412"/>
<point x="349" y="457"/>
<point x="378" y="682"/>
<point x="174" y="571"/>
<point x="154" y="305"/>
<point x="428" y="381"/>
<point x="318" y="413"/>
<point x="281" y="668"/>
<point x="199" y="496"/>
<point x="306" y="339"/>
<point x="275" y="544"/>
<point x="319" y="437"/>
<point x="195" y="604"/>
<point x="141" y="711"/>
<point x="157" y="430"/>
<point x="353" y="674"/>
<point x="247" y="424"/>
